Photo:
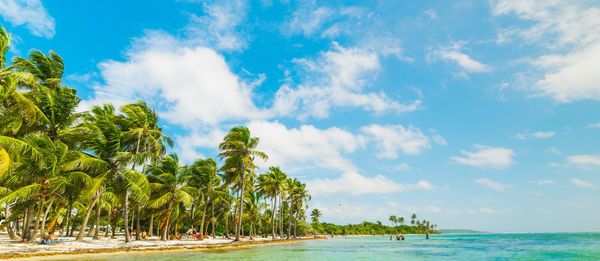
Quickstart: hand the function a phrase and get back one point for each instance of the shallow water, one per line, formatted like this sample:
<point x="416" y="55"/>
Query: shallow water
<point x="580" y="246"/>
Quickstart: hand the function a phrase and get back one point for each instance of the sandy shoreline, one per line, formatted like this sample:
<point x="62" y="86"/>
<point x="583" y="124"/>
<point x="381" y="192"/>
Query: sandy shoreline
<point x="26" y="251"/>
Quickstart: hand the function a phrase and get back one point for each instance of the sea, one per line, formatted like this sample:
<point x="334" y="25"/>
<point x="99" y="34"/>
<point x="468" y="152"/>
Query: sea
<point x="509" y="246"/>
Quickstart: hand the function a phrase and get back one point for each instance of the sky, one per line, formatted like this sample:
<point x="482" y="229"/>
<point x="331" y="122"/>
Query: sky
<point x="471" y="114"/>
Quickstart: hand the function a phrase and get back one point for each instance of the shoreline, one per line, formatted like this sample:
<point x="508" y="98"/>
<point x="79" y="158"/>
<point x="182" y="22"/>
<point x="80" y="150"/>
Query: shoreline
<point x="159" y="248"/>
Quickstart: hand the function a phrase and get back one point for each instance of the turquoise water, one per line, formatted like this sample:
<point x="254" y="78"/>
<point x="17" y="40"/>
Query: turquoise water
<point x="555" y="246"/>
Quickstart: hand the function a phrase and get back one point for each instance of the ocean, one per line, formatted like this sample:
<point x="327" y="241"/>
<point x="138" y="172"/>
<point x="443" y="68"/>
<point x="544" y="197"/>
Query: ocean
<point x="526" y="246"/>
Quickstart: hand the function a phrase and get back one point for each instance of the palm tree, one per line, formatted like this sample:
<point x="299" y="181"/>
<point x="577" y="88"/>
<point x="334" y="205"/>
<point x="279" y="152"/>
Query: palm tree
<point x="413" y="217"/>
<point x="169" y="182"/>
<point x="298" y="197"/>
<point x="101" y="135"/>
<point x="239" y="147"/>
<point x="400" y="220"/>
<point x="393" y="219"/>
<point x="315" y="215"/>
<point x="203" y="175"/>
<point x="143" y="139"/>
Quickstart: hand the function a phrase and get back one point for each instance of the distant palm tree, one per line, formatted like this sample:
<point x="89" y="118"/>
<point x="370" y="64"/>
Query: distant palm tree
<point x="315" y="215"/>
<point x="413" y="217"/>
<point x="400" y="220"/>
<point x="393" y="219"/>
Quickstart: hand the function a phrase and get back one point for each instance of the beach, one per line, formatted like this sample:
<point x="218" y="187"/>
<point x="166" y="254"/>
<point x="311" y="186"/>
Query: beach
<point x="68" y="246"/>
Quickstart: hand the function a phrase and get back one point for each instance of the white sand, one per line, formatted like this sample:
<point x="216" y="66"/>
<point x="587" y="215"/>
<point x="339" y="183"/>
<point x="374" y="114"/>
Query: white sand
<point x="11" y="247"/>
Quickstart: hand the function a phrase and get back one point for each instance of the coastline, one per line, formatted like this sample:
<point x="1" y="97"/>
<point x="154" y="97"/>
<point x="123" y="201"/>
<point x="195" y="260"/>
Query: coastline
<point x="56" y="251"/>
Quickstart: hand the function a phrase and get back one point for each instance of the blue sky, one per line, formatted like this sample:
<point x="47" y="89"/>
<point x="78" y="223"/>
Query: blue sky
<point x="471" y="114"/>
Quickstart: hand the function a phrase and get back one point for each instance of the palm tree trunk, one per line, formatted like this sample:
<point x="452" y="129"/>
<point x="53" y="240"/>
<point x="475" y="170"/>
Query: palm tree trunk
<point x="212" y="219"/>
<point x="226" y="225"/>
<point x="68" y="217"/>
<point x="239" y="228"/>
<point x="295" y="223"/>
<point x="98" y="213"/>
<point x="125" y="216"/>
<point x="137" y="223"/>
<point x="114" y="226"/>
<point x="203" y="216"/>
<point x="108" y="218"/>
<point x="43" y="228"/>
<point x="9" y="230"/>
<point x="27" y="223"/>
<point x="73" y="219"/>
<point x="37" y="219"/>
<point x="281" y="215"/>
<point x="289" y="232"/>
<point x="151" y="224"/>
<point x="273" y="216"/>
<point x="163" y="227"/>
<point x="54" y="220"/>
<point x="87" y="216"/>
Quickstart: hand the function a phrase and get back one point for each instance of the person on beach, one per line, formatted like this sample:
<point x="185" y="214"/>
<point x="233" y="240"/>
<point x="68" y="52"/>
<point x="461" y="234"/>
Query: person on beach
<point x="402" y="236"/>
<point x="426" y="235"/>
<point x="391" y="237"/>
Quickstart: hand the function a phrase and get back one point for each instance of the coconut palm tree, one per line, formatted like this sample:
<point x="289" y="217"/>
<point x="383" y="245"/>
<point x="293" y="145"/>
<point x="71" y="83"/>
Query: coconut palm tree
<point x="100" y="134"/>
<point x="240" y="148"/>
<point x="393" y="219"/>
<point x="169" y="182"/>
<point x="143" y="139"/>
<point x="203" y="175"/>
<point x="315" y="215"/>
<point x="298" y="197"/>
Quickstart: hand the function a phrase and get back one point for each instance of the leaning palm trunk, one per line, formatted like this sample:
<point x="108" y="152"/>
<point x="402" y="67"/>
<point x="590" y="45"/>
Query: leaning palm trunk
<point x="273" y="216"/>
<point x="27" y="223"/>
<point x="227" y="225"/>
<point x="37" y="220"/>
<point x="295" y="224"/>
<point x="239" y="228"/>
<point x="43" y="228"/>
<point x="151" y="223"/>
<point x="289" y="232"/>
<point x="165" y="222"/>
<point x="203" y="216"/>
<point x="137" y="224"/>
<point x="98" y="213"/>
<point x="125" y="216"/>
<point x="54" y="220"/>
<point x="281" y="216"/>
<point x="87" y="216"/>
<point x="9" y="230"/>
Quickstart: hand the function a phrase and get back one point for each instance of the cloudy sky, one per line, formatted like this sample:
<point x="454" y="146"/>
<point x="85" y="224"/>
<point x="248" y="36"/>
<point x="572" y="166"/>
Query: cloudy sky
<point x="471" y="114"/>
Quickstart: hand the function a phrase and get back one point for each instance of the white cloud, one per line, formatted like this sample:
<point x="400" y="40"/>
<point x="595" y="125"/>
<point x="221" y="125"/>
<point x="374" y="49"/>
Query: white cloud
<point x="187" y="85"/>
<point x="401" y="167"/>
<point x="310" y="19"/>
<point x="306" y="147"/>
<point x="584" y="161"/>
<point x="219" y="27"/>
<point x="570" y="30"/>
<point x="545" y="181"/>
<point x="536" y="135"/>
<point x="187" y="145"/>
<point x="594" y="125"/>
<point x="454" y="54"/>
<point x="30" y="13"/>
<point x="336" y="79"/>
<point x="581" y="183"/>
<point x="493" y="185"/>
<point x="571" y="77"/>
<point x="355" y="184"/>
<point x="392" y="139"/>
<point x="431" y="13"/>
<point x="487" y="210"/>
<point x="486" y="156"/>
<point x="439" y="140"/>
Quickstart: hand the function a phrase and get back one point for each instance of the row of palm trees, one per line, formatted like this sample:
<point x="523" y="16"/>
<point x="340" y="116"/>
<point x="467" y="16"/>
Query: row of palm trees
<point x="63" y="169"/>
<point x="413" y="221"/>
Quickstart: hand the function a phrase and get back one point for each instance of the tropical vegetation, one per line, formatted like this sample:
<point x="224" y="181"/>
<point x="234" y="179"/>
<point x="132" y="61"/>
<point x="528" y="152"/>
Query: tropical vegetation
<point x="78" y="172"/>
